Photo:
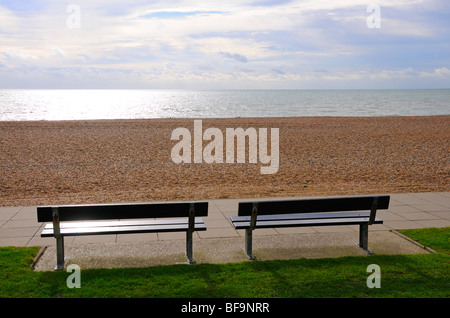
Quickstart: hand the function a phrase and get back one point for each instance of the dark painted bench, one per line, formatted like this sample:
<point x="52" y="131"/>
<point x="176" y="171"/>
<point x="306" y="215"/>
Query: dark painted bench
<point x="71" y="220"/>
<point x="358" y="210"/>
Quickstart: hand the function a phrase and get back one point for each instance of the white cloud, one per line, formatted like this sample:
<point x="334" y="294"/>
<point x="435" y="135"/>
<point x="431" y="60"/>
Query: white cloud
<point x="439" y="72"/>
<point x="8" y="22"/>
<point x="57" y="52"/>
<point x="142" y="42"/>
<point x="18" y="55"/>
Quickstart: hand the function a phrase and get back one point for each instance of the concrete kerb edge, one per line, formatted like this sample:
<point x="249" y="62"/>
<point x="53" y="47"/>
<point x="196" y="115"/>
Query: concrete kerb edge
<point x="38" y="257"/>
<point x="428" y="249"/>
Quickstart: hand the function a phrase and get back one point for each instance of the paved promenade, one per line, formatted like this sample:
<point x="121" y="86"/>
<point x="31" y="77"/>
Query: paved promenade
<point x="222" y="243"/>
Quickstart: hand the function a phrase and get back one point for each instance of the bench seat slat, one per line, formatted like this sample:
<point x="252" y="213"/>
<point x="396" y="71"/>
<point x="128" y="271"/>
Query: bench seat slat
<point x="148" y="228"/>
<point x="307" y="222"/>
<point x="302" y="216"/>
<point x="82" y="224"/>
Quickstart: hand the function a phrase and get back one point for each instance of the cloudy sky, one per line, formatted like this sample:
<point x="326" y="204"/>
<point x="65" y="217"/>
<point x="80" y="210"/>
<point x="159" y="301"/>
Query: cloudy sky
<point x="304" y="44"/>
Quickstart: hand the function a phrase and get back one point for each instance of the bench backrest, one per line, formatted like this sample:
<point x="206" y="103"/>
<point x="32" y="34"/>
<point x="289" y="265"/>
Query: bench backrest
<point x="122" y="211"/>
<point x="314" y="205"/>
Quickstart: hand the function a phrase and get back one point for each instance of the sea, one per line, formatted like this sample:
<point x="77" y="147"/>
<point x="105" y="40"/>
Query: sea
<point x="89" y="104"/>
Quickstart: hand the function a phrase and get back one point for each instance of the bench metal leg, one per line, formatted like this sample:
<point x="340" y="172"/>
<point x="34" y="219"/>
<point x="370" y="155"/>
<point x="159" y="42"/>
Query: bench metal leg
<point x="59" y="253"/>
<point x="248" y="244"/>
<point x="364" y="237"/>
<point x="189" y="250"/>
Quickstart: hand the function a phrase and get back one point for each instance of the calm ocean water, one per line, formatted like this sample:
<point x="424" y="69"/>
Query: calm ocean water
<point x="130" y="104"/>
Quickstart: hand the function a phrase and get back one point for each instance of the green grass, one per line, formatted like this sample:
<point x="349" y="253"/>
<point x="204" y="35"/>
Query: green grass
<point x="437" y="238"/>
<point x="418" y="276"/>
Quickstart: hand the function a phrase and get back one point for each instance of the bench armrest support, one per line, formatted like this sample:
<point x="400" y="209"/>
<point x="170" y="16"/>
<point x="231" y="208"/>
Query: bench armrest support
<point x="249" y="232"/>
<point x="253" y="216"/>
<point x="56" y="227"/>
<point x="373" y="210"/>
<point x="59" y="239"/>
<point x="189" y="232"/>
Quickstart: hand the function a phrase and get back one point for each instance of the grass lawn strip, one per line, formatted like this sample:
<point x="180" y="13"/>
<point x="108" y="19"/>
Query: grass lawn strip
<point x="415" y="276"/>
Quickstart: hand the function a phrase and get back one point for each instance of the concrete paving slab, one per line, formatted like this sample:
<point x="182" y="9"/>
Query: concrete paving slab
<point x="8" y="212"/>
<point x="434" y="223"/>
<point x="442" y="215"/>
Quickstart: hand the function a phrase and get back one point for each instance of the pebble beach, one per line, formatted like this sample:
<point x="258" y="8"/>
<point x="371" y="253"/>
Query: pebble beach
<point x="113" y="161"/>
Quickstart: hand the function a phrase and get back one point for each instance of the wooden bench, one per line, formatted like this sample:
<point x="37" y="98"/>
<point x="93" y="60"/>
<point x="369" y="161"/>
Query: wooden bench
<point x="76" y="220"/>
<point x="359" y="210"/>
